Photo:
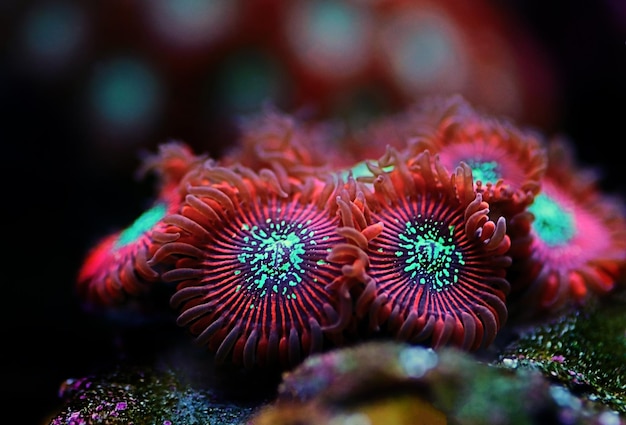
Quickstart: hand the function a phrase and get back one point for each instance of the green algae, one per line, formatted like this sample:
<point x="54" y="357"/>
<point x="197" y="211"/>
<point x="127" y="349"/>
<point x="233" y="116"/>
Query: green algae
<point x="138" y="396"/>
<point x="584" y="350"/>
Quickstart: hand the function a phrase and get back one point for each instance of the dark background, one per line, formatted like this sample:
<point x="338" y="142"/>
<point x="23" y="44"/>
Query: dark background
<point x="67" y="183"/>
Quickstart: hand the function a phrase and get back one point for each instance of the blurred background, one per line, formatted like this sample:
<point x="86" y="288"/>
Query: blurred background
<point x="86" y="86"/>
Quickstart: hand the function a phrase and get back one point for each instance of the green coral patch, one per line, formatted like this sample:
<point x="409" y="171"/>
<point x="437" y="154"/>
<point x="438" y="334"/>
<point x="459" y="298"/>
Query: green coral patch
<point x="584" y="350"/>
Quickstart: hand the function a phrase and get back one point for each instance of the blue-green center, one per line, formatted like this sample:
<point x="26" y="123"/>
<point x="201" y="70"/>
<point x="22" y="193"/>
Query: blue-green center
<point x="553" y="225"/>
<point x="360" y="170"/>
<point x="141" y="225"/>
<point x="429" y="254"/>
<point x="485" y="171"/>
<point x="273" y="255"/>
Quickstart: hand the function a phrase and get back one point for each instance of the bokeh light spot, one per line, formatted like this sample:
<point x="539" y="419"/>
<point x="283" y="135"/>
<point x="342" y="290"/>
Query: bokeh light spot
<point x="125" y="95"/>
<point x="248" y="79"/>
<point x="190" y="23"/>
<point x="52" y="35"/>
<point x="425" y="51"/>
<point x="331" y="37"/>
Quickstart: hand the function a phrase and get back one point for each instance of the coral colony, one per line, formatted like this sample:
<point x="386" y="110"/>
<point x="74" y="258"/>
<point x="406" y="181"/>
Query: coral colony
<point x="433" y="227"/>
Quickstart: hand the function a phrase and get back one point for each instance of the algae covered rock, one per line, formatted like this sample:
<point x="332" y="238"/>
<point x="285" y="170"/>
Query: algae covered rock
<point x="136" y="395"/>
<point x="584" y="350"/>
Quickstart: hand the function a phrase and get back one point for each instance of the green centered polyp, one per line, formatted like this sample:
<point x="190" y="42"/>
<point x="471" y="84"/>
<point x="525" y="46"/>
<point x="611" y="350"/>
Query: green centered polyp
<point x="273" y="256"/>
<point x="485" y="171"/>
<point x="553" y="224"/>
<point x="141" y="225"/>
<point x="422" y="252"/>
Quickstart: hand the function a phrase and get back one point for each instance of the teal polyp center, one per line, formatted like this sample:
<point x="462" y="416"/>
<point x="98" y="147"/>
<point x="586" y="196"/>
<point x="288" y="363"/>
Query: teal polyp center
<point x="360" y="170"/>
<point x="273" y="255"/>
<point x="429" y="254"/>
<point x="141" y="225"/>
<point x="553" y="225"/>
<point x="485" y="171"/>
